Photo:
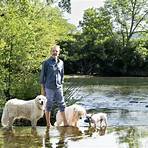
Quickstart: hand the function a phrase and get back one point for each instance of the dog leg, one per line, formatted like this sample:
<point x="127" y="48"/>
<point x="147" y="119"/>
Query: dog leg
<point x="59" y="121"/>
<point x="33" y="123"/>
<point x="75" y="124"/>
<point x="101" y="122"/>
<point x="106" y="123"/>
<point x="10" y="123"/>
<point x="95" y="125"/>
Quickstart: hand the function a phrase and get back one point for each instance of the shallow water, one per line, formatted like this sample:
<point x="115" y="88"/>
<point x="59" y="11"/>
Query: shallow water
<point x="125" y="100"/>
<point x="70" y="137"/>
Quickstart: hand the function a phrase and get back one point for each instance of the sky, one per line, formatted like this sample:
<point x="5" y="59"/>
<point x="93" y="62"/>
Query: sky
<point x="78" y="7"/>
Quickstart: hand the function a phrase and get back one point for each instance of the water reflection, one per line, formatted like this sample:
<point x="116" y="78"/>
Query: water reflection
<point x="71" y="137"/>
<point x="58" y="137"/>
<point x="63" y="134"/>
<point x="21" y="137"/>
<point x="91" y="131"/>
<point x="131" y="137"/>
<point x="46" y="139"/>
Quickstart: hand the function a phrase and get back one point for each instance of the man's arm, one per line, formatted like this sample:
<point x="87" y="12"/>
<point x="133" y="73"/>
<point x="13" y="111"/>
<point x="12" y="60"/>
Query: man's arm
<point x="42" y="79"/>
<point x="43" y="90"/>
<point x="62" y="74"/>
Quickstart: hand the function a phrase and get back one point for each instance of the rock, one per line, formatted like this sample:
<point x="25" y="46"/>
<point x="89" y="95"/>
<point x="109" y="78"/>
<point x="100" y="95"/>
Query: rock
<point x="133" y="101"/>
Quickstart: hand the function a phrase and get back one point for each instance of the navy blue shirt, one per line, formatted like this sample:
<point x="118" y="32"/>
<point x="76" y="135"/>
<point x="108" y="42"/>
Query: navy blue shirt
<point x="52" y="73"/>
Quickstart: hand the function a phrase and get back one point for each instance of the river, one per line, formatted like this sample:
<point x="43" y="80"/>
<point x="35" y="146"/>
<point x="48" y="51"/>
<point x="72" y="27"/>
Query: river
<point x="124" y="99"/>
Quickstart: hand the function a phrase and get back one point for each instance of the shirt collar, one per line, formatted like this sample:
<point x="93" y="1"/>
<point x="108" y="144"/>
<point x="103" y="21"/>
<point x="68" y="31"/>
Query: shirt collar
<point x="53" y="59"/>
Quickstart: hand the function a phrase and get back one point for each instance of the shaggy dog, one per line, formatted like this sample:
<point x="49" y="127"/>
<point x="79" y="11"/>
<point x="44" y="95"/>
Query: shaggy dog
<point x="32" y="110"/>
<point x="99" y="119"/>
<point x="73" y="113"/>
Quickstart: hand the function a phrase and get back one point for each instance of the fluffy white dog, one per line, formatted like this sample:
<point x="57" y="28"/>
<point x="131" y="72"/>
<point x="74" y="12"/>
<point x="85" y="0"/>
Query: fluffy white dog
<point x="73" y="113"/>
<point x="32" y="110"/>
<point x="99" y="119"/>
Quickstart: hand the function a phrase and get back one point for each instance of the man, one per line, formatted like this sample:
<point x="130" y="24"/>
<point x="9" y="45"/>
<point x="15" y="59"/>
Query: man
<point x="51" y="79"/>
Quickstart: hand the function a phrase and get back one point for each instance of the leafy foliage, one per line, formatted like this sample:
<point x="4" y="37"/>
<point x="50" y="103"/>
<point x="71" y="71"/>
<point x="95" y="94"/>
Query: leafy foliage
<point x="129" y="17"/>
<point x="27" y="29"/>
<point x="64" y="4"/>
<point x="112" y="41"/>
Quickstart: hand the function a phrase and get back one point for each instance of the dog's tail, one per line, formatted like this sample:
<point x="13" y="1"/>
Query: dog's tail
<point x="5" y="117"/>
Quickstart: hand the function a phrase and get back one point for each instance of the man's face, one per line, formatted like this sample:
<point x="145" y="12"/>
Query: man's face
<point x="55" y="52"/>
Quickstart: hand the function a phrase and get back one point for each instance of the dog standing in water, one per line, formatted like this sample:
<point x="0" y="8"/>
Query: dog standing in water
<point x="32" y="110"/>
<point x="73" y="113"/>
<point x="98" y="120"/>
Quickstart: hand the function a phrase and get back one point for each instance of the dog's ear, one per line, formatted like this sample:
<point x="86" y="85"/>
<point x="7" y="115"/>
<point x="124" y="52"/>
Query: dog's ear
<point x="36" y="99"/>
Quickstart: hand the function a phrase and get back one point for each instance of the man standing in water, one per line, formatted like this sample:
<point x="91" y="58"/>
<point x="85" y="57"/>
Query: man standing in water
<point x="51" y="79"/>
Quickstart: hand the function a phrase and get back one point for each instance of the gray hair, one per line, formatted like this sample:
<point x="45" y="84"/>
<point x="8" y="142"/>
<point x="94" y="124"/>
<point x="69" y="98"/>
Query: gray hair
<point x="56" y="46"/>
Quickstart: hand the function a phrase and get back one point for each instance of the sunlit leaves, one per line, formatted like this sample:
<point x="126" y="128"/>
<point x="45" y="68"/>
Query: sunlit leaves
<point x="128" y="17"/>
<point x="28" y="29"/>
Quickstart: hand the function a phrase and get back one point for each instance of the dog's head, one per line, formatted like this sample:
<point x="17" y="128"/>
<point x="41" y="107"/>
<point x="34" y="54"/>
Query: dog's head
<point x="41" y="101"/>
<point x="79" y="111"/>
<point x="88" y="119"/>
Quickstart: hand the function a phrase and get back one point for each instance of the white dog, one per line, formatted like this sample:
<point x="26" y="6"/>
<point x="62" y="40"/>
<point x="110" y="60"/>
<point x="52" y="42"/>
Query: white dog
<point x="99" y="119"/>
<point x="73" y="113"/>
<point x="32" y="110"/>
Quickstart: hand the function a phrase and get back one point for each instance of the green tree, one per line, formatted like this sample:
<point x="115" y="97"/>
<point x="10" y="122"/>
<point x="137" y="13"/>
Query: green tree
<point x="129" y="18"/>
<point x="113" y="40"/>
<point x="27" y="31"/>
<point x="96" y="29"/>
<point x="64" y="4"/>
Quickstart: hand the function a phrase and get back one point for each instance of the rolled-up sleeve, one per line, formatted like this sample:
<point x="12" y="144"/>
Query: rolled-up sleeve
<point x="42" y="74"/>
